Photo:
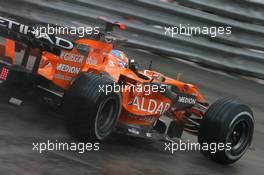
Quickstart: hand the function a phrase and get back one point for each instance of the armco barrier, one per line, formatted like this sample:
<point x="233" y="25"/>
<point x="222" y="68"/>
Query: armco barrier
<point x="240" y="52"/>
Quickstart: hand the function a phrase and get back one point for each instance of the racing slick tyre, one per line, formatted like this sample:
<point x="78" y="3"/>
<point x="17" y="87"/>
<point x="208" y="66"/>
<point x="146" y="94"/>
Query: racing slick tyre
<point x="227" y="125"/>
<point x="92" y="113"/>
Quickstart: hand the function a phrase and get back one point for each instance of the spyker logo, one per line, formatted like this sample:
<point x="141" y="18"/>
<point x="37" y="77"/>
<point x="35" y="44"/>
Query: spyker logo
<point x="33" y="32"/>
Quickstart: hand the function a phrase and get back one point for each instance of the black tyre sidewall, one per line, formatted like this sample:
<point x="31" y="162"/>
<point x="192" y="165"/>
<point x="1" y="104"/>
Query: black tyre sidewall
<point x="82" y="104"/>
<point x="219" y="120"/>
<point x="115" y="116"/>
<point x="241" y="114"/>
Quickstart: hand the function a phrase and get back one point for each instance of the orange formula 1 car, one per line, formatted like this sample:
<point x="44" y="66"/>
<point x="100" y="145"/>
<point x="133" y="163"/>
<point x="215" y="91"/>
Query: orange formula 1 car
<point x="103" y="91"/>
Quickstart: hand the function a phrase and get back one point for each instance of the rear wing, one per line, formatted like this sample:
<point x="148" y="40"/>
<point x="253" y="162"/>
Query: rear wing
<point x="31" y="38"/>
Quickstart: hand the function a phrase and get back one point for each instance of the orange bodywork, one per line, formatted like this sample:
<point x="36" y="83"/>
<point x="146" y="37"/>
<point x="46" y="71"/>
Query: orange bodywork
<point x="138" y="108"/>
<point x="7" y="50"/>
<point x="63" y="69"/>
<point x="61" y="61"/>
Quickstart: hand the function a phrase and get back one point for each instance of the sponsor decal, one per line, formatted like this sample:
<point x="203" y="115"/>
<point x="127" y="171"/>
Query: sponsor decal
<point x="91" y="61"/>
<point x="149" y="105"/>
<point x="187" y="100"/>
<point x="68" y="69"/>
<point x="68" y="56"/>
<point x="32" y="32"/>
<point x="142" y="118"/>
<point x="133" y="131"/>
<point x="62" y="77"/>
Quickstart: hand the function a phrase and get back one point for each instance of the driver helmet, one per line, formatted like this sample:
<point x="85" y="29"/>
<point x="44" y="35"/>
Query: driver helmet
<point x="121" y="58"/>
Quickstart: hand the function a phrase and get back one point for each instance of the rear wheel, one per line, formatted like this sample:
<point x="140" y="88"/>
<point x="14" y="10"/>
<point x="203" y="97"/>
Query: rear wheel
<point x="229" y="123"/>
<point x="92" y="113"/>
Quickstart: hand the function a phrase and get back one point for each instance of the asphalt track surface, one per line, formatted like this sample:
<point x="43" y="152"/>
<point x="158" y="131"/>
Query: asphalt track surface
<point x="34" y="121"/>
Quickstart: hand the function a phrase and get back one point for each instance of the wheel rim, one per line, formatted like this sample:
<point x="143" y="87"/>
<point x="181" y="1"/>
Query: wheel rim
<point x="239" y="136"/>
<point x="106" y="117"/>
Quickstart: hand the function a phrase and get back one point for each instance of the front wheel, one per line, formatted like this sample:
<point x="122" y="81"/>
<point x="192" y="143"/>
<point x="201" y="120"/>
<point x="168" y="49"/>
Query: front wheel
<point x="229" y="123"/>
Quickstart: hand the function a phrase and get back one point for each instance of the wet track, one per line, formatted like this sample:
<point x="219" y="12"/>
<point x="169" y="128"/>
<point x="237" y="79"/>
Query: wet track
<point x="36" y="122"/>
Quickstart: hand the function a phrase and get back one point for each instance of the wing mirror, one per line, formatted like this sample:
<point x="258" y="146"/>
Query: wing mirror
<point x="83" y="49"/>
